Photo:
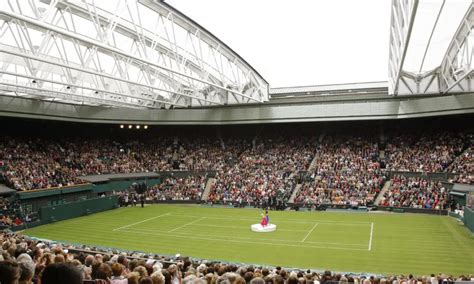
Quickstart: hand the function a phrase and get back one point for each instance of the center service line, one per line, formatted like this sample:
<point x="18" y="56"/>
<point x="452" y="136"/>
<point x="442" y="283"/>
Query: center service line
<point x="309" y="233"/>
<point x="187" y="224"/>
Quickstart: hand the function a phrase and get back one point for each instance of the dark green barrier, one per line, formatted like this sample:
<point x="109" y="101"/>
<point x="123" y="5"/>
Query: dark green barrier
<point x="76" y="209"/>
<point x="469" y="218"/>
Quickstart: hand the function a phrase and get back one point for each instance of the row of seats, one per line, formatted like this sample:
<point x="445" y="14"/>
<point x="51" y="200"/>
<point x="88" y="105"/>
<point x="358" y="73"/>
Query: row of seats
<point x="24" y="260"/>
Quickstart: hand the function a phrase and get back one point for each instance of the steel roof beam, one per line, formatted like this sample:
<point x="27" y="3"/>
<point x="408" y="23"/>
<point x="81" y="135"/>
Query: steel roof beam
<point x="126" y="29"/>
<point x="456" y="65"/>
<point x="401" y="25"/>
<point x="52" y="93"/>
<point x="108" y="49"/>
<point x="101" y="74"/>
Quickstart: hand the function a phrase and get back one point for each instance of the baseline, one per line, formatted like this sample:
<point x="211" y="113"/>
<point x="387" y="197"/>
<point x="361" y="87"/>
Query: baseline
<point x="220" y="236"/>
<point x="241" y="227"/>
<point x="297" y="221"/>
<point x="233" y="240"/>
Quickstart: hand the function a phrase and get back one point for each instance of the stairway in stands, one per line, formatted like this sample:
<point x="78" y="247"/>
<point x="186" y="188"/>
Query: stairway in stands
<point x="385" y="187"/>
<point x="295" y="192"/>
<point x="210" y="183"/>
<point x="311" y="167"/>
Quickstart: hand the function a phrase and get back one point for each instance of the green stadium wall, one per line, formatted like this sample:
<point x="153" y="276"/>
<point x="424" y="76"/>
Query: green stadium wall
<point x="71" y="210"/>
<point x="469" y="218"/>
<point x="51" y="197"/>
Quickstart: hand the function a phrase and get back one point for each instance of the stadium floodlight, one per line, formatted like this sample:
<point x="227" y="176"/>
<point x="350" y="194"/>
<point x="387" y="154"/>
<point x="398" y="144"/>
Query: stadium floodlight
<point x="145" y="127"/>
<point x="138" y="126"/>
<point x="121" y="126"/>
<point x="130" y="127"/>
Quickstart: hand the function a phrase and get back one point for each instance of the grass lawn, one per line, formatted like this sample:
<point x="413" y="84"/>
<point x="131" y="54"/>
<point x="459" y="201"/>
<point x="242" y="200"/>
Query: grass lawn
<point x="346" y="242"/>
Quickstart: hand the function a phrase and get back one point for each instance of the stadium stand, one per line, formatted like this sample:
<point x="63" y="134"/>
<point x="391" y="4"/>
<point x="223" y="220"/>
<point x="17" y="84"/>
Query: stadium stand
<point x="188" y="188"/>
<point x="463" y="167"/>
<point x="261" y="170"/>
<point x="415" y="192"/>
<point x="107" y="104"/>
<point x="423" y="153"/>
<point x="264" y="174"/>
<point x="346" y="172"/>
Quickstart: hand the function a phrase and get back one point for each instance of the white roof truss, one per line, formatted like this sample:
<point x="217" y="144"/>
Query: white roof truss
<point x="119" y="53"/>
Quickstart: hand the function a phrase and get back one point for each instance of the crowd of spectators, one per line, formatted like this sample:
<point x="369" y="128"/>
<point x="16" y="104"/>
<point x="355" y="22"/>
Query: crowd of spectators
<point x="38" y="164"/>
<point x="345" y="171"/>
<point x="423" y="153"/>
<point x="415" y="192"/>
<point x="262" y="171"/>
<point x="34" y="165"/>
<point x="463" y="167"/>
<point x="172" y="188"/>
<point x="10" y="214"/>
<point x="264" y="174"/>
<point x="24" y="260"/>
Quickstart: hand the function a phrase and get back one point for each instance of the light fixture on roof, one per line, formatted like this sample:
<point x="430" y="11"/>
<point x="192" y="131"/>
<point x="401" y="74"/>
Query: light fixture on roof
<point x="130" y="127"/>
<point x="145" y="127"/>
<point x="138" y="126"/>
<point x="121" y="126"/>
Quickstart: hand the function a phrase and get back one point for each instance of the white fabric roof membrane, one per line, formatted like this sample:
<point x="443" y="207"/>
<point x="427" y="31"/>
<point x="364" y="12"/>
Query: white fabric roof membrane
<point x="436" y="19"/>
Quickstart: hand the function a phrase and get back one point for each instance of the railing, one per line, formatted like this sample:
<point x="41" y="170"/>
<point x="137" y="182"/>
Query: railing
<point x="54" y="188"/>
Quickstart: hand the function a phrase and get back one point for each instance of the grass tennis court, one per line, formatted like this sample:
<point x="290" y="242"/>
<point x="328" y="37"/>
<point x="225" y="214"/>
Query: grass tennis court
<point x="347" y="242"/>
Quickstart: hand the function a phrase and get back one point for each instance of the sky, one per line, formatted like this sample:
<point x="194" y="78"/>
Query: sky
<point x="301" y="42"/>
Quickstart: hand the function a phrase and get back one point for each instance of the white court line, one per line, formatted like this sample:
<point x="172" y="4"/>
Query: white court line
<point x="240" y="227"/>
<point x="238" y="241"/>
<point x="293" y="221"/>
<point x="309" y="233"/>
<point x="187" y="224"/>
<point x="371" y="234"/>
<point x="242" y="238"/>
<point x="136" y="223"/>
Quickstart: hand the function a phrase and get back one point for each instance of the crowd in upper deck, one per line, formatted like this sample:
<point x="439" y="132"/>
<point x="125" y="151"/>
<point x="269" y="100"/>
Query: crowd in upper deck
<point x="336" y="169"/>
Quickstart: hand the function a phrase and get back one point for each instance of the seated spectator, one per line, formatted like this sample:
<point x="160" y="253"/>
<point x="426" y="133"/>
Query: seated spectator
<point x="56" y="273"/>
<point x="423" y="153"/>
<point x="463" y="167"/>
<point x="415" y="192"/>
<point x="188" y="188"/>
<point x="345" y="172"/>
<point x="116" y="269"/>
<point x="10" y="272"/>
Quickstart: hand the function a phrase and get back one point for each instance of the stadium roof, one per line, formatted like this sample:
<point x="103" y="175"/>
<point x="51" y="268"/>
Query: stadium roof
<point x="431" y="47"/>
<point x="135" y="54"/>
<point x="147" y="54"/>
